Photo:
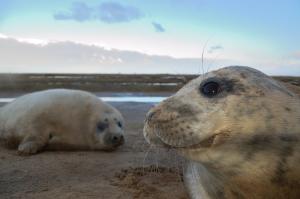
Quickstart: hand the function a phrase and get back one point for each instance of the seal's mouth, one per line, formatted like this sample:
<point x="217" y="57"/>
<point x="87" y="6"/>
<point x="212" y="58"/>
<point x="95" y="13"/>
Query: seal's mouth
<point x="113" y="147"/>
<point x="155" y="139"/>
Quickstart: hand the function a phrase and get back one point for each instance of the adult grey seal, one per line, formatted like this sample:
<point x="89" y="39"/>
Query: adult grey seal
<point x="240" y="131"/>
<point x="60" y="119"/>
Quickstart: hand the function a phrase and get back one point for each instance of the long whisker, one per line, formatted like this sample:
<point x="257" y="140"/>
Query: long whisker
<point x="213" y="61"/>
<point x="156" y="158"/>
<point x="202" y="57"/>
<point x="145" y="157"/>
<point x="178" y="167"/>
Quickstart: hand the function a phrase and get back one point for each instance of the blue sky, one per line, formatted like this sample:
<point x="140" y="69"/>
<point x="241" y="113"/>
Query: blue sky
<point x="261" y="34"/>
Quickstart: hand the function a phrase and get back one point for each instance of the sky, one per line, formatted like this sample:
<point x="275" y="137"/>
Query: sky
<point x="157" y="36"/>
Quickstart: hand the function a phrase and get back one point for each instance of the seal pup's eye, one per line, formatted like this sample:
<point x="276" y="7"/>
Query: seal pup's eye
<point x="210" y="88"/>
<point x="120" y="124"/>
<point x="101" y="126"/>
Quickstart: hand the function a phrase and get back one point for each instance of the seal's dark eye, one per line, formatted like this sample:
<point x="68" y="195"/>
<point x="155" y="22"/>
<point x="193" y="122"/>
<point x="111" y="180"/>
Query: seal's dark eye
<point x="101" y="126"/>
<point x="120" y="124"/>
<point x="210" y="89"/>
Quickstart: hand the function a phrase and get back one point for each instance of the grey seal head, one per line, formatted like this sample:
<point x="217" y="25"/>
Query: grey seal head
<point x="240" y="131"/>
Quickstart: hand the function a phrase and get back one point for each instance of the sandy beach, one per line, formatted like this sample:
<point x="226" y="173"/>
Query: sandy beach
<point x="125" y="173"/>
<point x="133" y="171"/>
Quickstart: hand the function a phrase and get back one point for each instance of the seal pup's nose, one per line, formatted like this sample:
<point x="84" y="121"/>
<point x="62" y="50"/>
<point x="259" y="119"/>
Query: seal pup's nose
<point x="117" y="139"/>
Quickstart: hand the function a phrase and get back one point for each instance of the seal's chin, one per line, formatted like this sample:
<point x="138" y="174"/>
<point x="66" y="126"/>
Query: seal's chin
<point x="111" y="148"/>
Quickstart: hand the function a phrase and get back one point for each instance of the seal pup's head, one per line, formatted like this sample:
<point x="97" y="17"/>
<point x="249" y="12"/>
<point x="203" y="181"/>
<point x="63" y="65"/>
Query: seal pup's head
<point x="107" y="127"/>
<point x="222" y="111"/>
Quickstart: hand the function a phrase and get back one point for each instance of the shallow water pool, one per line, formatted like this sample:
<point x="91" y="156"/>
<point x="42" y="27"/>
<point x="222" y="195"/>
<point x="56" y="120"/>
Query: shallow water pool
<point x="143" y="99"/>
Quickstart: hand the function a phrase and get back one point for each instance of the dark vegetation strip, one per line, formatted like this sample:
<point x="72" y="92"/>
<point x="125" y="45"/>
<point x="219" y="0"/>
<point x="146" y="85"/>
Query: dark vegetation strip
<point x="93" y="82"/>
<point x="102" y="82"/>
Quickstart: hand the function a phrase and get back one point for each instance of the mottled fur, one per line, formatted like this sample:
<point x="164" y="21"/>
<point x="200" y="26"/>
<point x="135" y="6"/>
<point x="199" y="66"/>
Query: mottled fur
<point x="58" y="119"/>
<point x="242" y="143"/>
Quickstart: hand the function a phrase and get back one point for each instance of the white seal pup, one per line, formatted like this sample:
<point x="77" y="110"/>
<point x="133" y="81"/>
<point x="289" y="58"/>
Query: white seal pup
<point x="60" y="119"/>
<point x="240" y="131"/>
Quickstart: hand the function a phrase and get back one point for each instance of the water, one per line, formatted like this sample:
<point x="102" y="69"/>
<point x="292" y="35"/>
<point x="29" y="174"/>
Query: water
<point x="144" y="99"/>
<point x="6" y="100"/>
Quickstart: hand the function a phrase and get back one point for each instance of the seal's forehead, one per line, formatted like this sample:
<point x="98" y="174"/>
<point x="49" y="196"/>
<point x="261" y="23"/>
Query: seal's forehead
<point x="227" y="73"/>
<point x="233" y="79"/>
<point x="113" y="113"/>
<point x="238" y="72"/>
<point x="241" y="74"/>
<point x="238" y="80"/>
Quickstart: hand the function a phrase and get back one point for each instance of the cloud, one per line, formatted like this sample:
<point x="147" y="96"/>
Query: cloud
<point x="2" y="36"/>
<point x="212" y="49"/>
<point x="38" y="56"/>
<point x="296" y="54"/>
<point x="29" y="55"/>
<point x="111" y="12"/>
<point x="107" y="12"/>
<point x="79" y="12"/>
<point x="158" y="27"/>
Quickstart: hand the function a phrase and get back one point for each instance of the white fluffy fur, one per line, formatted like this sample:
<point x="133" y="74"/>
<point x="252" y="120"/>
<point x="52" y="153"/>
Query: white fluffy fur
<point x="58" y="119"/>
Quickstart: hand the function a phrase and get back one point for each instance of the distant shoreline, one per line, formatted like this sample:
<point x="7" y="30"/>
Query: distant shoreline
<point x="14" y="82"/>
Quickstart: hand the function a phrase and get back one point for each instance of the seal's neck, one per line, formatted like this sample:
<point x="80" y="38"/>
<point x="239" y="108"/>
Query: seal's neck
<point x="202" y="182"/>
<point x="263" y="167"/>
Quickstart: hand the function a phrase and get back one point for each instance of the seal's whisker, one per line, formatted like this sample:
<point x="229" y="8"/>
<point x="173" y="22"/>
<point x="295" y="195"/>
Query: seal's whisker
<point x="156" y="158"/>
<point x="177" y="171"/>
<point x="183" y="167"/>
<point x="194" y="173"/>
<point x="145" y="157"/>
<point x="212" y="62"/>
<point x="135" y="145"/>
<point x="202" y="59"/>
<point x="144" y="148"/>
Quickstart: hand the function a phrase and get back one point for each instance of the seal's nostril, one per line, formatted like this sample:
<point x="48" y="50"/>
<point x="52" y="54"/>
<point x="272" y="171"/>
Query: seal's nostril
<point x="115" y="138"/>
<point x="150" y="116"/>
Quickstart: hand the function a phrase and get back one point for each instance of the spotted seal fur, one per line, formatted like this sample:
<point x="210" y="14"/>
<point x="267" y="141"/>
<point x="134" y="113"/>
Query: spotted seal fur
<point x="240" y="131"/>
